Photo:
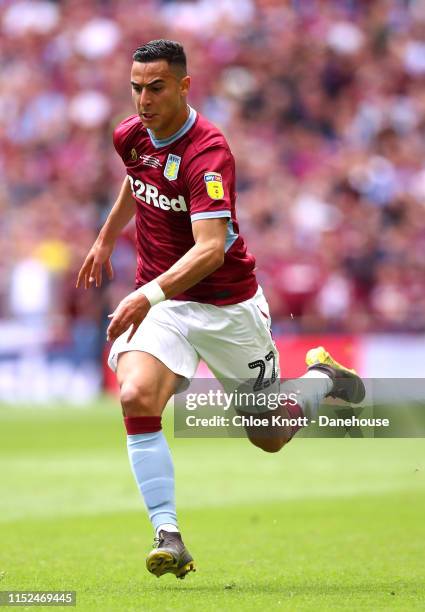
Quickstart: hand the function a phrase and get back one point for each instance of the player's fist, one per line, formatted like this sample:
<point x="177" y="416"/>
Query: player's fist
<point x="91" y="270"/>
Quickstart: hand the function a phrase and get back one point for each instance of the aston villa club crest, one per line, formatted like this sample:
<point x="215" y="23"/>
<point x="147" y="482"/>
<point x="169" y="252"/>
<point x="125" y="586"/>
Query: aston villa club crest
<point x="134" y="154"/>
<point x="172" y="166"/>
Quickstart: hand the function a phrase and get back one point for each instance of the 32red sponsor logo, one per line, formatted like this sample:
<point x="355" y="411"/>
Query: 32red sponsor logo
<point x="150" y="195"/>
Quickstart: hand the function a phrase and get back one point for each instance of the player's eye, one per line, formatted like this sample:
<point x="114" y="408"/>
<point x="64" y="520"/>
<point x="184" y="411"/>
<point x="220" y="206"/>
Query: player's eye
<point x="136" y="89"/>
<point x="157" y="88"/>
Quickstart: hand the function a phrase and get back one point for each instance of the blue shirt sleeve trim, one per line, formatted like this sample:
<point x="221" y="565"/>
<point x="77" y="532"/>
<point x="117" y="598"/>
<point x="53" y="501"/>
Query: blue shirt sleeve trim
<point x="216" y="214"/>
<point x="231" y="236"/>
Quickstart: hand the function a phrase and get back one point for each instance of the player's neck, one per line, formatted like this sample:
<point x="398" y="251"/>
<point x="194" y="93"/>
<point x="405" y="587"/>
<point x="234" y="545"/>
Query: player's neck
<point x="178" y="122"/>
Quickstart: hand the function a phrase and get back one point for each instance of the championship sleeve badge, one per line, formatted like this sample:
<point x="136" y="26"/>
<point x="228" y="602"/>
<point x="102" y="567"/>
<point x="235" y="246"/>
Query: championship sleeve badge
<point x="214" y="184"/>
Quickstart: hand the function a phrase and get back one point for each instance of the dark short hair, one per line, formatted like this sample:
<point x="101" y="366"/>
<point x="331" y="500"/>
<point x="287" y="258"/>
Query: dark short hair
<point x="168" y="50"/>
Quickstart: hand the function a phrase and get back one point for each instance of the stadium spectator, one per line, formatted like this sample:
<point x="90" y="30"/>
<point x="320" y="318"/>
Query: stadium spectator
<point x="322" y="103"/>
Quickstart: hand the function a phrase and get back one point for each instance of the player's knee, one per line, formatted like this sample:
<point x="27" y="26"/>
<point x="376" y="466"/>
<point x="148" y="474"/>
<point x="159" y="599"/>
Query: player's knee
<point x="137" y="399"/>
<point x="269" y="445"/>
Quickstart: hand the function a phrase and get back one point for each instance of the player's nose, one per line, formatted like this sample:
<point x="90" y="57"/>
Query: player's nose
<point x="144" y="99"/>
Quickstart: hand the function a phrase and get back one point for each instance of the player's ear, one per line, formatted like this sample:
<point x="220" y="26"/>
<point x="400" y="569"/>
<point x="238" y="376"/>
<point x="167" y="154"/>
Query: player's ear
<point x="185" y="85"/>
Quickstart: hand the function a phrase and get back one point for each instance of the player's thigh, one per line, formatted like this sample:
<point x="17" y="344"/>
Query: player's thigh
<point x="237" y="344"/>
<point x="146" y="384"/>
<point x="239" y="349"/>
<point x="158" y="359"/>
<point x="162" y="334"/>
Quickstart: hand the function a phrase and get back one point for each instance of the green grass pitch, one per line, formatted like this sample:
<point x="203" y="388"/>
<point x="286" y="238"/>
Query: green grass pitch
<point x="323" y="525"/>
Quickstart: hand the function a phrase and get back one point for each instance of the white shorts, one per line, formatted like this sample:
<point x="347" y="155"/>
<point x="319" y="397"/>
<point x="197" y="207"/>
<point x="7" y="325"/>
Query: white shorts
<point x="231" y="340"/>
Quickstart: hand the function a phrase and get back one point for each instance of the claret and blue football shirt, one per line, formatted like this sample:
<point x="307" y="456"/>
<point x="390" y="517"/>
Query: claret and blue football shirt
<point x="178" y="180"/>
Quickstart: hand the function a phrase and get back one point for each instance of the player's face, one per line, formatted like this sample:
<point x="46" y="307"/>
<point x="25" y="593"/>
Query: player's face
<point x="159" y="94"/>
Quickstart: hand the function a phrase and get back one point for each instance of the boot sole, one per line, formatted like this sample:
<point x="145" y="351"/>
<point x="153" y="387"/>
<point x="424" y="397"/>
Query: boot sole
<point x="160" y="562"/>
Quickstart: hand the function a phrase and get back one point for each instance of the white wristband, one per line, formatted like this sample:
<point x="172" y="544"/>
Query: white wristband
<point x="153" y="292"/>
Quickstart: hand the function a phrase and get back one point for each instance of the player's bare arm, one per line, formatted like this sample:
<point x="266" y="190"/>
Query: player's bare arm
<point x="206" y="256"/>
<point x="100" y="254"/>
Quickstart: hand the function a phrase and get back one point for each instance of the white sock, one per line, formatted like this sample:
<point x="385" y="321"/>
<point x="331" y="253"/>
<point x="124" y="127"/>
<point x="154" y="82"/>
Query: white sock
<point x="310" y="394"/>
<point x="315" y="393"/>
<point x="167" y="527"/>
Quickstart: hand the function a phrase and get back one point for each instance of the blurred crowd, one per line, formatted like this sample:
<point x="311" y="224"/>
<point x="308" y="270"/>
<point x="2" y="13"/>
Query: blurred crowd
<point x="323" y="103"/>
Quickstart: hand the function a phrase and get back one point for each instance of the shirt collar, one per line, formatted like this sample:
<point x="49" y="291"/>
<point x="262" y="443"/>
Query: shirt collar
<point x="163" y="142"/>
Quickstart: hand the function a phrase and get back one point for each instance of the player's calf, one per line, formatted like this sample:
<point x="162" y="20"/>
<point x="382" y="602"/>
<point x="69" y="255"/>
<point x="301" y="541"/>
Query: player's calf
<point x="266" y="431"/>
<point x="269" y="445"/>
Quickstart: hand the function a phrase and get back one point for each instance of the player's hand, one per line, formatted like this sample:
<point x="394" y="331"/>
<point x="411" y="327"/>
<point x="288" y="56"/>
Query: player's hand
<point x="130" y="311"/>
<point x="91" y="270"/>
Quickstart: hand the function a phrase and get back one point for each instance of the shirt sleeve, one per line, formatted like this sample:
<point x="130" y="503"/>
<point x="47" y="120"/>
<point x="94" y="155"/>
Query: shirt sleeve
<point x="118" y="140"/>
<point x="210" y="177"/>
<point x="121" y="134"/>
